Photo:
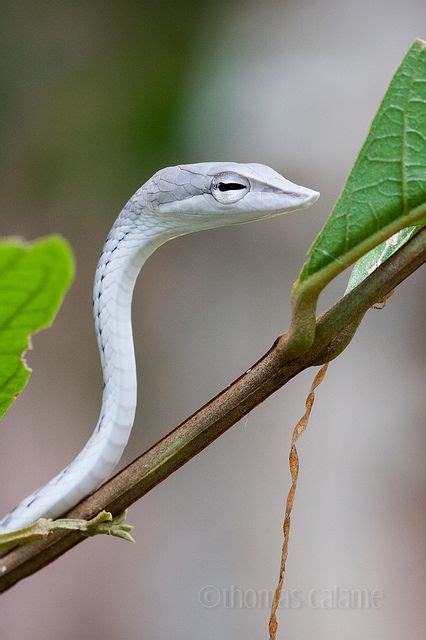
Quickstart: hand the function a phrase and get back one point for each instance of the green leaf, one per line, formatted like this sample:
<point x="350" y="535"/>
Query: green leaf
<point x="388" y="180"/>
<point x="33" y="281"/>
<point x="384" y="193"/>
<point x="374" y="258"/>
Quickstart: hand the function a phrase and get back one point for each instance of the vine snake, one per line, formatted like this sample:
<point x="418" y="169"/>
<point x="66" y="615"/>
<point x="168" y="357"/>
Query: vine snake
<point x="175" y="201"/>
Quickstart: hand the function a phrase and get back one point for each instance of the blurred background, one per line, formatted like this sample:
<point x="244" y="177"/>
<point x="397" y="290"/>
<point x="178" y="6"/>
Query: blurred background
<point x="95" y="98"/>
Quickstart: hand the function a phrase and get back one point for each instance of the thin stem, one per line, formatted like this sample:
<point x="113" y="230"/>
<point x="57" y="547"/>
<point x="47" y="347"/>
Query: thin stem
<point x="270" y="373"/>
<point x="293" y="460"/>
<point x="102" y="523"/>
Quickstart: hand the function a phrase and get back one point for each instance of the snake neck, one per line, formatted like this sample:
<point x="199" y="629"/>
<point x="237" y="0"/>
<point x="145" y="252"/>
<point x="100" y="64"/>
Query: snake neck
<point x="129" y="244"/>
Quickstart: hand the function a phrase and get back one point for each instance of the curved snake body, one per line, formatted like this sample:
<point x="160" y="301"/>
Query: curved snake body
<point x="175" y="201"/>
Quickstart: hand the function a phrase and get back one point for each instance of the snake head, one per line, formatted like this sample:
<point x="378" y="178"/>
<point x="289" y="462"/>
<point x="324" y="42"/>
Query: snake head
<point x="213" y="194"/>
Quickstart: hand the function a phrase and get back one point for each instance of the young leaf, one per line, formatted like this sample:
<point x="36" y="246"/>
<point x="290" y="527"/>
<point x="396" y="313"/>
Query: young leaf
<point x="384" y="193"/>
<point x="33" y="281"/>
<point x="371" y="260"/>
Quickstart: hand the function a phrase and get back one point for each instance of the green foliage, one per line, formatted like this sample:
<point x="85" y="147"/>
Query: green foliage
<point x="33" y="281"/>
<point x="384" y="193"/>
<point x="388" y="180"/>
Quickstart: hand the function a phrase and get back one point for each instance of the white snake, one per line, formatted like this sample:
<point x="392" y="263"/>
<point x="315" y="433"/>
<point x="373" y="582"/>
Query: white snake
<point x="175" y="201"/>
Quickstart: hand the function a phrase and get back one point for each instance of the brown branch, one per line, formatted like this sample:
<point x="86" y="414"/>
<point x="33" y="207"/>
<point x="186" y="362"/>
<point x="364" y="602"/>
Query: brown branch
<point x="270" y="373"/>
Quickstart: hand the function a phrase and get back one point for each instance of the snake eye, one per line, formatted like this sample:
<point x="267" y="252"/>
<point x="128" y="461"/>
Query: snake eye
<point x="229" y="187"/>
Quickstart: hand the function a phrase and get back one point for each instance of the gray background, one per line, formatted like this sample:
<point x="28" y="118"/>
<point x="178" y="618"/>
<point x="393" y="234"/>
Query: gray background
<point x="96" y="98"/>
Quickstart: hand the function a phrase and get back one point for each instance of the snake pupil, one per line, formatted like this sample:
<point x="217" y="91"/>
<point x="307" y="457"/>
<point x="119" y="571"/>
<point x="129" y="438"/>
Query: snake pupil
<point x="230" y="186"/>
